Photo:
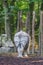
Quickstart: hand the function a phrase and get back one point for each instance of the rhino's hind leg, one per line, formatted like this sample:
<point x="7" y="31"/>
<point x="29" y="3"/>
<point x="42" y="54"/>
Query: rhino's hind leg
<point x="20" y="51"/>
<point x="25" y="50"/>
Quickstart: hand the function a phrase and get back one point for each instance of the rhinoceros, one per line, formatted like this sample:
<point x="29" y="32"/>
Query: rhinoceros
<point x="21" y="40"/>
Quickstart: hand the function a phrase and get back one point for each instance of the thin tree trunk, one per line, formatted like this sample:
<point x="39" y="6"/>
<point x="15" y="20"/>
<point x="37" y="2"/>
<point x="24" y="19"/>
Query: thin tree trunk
<point x="19" y="24"/>
<point x="28" y="23"/>
<point x="41" y="32"/>
<point x="28" y="29"/>
<point x="31" y="8"/>
<point x="7" y="24"/>
<point x="11" y="18"/>
<point x="33" y="37"/>
<point x="41" y="29"/>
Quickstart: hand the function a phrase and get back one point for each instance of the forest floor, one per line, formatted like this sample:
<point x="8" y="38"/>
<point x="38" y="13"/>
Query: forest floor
<point x="12" y="59"/>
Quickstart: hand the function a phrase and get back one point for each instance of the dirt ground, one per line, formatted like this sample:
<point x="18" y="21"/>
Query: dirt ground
<point x="9" y="59"/>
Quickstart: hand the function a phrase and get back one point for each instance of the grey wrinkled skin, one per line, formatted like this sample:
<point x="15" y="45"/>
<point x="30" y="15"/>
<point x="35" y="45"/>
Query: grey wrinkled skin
<point x="21" y="40"/>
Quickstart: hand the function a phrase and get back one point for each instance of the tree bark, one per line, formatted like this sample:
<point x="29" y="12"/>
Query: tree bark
<point x="41" y="29"/>
<point x="41" y="32"/>
<point x="31" y="8"/>
<point x="11" y="18"/>
<point x="28" y="29"/>
<point x="19" y="24"/>
<point x="33" y="37"/>
<point x="7" y="24"/>
<point x="28" y="23"/>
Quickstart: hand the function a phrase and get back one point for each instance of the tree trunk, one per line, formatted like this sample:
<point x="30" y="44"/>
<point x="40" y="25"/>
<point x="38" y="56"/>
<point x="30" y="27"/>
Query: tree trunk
<point x="28" y="29"/>
<point x="31" y="8"/>
<point x="41" y="29"/>
<point x="19" y="24"/>
<point x="28" y="23"/>
<point x="42" y="5"/>
<point x="41" y="32"/>
<point x="7" y="24"/>
<point x="33" y="37"/>
<point x="11" y="18"/>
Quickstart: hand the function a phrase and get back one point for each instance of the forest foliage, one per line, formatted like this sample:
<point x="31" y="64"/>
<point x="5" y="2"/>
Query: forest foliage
<point x="13" y="6"/>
